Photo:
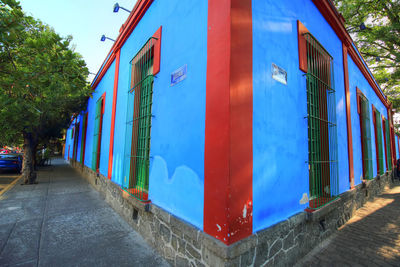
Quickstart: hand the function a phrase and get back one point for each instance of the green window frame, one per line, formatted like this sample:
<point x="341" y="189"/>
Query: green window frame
<point x="98" y="125"/>
<point x="138" y="123"/>
<point x="322" y="127"/>
<point x="378" y="141"/>
<point x="365" y="132"/>
<point x="76" y="139"/>
<point x="83" y="138"/>
<point x="386" y="130"/>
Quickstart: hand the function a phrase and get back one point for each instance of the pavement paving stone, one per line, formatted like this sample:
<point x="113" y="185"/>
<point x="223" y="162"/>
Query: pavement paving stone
<point x="370" y="238"/>
<point x="63" y="221"/>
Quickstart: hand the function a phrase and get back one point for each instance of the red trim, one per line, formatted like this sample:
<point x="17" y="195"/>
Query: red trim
<point x="114" y="107"/>
<point x="241" y="120"/>
<point x="69" y="146"/>
<point x="135" y="16"/>
<point x="334" y="19"/>
<point x="228" y="162"/>
<point x="348" y="117"/>
<point x="217" y="130"/>
<point x="302" y="45"/>
<point x="157" y="51"/>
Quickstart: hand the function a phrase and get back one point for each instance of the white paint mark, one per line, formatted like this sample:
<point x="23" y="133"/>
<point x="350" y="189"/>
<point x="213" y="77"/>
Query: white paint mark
<point x="244" y="211"/>
<point x="304" y="199"/>
<point x="219" y="228"/>
<point x="13" y="208"/>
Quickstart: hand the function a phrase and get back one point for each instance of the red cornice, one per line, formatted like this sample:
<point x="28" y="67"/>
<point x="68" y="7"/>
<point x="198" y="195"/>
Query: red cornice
<point x="135" y="16"/>
<point x="334" y="19"/>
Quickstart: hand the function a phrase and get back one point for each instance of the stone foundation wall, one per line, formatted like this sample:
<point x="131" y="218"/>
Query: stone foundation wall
<point x="283" y="244"/>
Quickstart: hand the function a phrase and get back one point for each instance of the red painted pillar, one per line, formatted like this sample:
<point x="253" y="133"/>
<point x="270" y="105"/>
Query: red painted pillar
<point x="348" y="117"/>
<point x="114" y="107"/>
<point x="228" y="170"/>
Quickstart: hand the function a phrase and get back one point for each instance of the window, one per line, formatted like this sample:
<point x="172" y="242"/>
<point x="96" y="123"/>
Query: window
<point x="322" y="131"/>
<point x="83" y="139"/>
<point x="378" y="140"/>
<point x="144" y="66"/>
<point x="76" y="137"/>
<point x="365" y="129"/>
<point x="98" y="124"/>
<point x="386" y="139"/>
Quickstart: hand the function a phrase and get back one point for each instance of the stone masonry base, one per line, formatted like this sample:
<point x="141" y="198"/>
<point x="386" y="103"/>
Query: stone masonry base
<point x="283" y="244"/>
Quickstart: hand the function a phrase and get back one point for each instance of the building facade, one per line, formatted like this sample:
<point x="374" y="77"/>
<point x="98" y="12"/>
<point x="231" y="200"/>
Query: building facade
<point x="234" y="117"/>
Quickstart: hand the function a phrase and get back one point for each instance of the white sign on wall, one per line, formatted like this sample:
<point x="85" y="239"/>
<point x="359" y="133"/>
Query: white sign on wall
<point x="279" y="74"/>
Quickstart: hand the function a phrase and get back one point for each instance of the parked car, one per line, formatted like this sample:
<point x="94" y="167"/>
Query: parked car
<point x="11" y="162"/>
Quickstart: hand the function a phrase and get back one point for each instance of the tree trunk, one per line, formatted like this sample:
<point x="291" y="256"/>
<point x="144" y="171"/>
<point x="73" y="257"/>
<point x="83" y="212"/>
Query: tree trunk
<point x="34" y="157"/>
<point x="27" y="164"/>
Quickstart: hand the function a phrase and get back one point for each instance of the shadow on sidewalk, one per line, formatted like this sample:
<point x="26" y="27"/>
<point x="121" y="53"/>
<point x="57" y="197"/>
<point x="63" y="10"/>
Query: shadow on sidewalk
<point x="370" y="238"/>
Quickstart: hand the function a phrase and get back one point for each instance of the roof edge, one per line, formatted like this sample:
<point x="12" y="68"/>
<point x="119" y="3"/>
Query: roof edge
<point x="126" y="29"/>
<point x="335" y="20"/>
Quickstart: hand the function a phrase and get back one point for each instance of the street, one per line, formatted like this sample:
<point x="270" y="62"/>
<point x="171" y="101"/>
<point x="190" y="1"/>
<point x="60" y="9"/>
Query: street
<point x="8" y="178"/>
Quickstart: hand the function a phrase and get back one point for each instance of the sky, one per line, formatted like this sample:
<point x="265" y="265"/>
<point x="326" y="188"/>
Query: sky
<point x="85" y="20"/>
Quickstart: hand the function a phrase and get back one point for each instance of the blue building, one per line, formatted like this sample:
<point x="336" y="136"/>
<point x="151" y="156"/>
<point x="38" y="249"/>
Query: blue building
<point x="235" y="117"/>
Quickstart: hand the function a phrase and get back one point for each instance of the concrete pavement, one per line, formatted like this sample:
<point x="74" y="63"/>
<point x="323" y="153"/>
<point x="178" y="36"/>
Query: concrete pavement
<point x="63" y="221"/>
<point x="370" y="238"/>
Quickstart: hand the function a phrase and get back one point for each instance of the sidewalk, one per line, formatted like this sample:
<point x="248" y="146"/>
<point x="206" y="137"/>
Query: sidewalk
<point x="63" y="221"/>
<point x="370" y="238"/>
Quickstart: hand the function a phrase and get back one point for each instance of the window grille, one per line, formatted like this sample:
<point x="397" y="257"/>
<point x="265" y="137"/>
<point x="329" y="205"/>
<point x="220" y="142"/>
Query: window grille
<point x="387" y="143"/>
<point x="76" y="138"/>
<point x="366" y="147"/>
<point x="137" y="143"/>
<point x="322" y="131"/>
<point x="378" y="136"/>
<point x="98" y="123"/>
<point x="83" y="139"/>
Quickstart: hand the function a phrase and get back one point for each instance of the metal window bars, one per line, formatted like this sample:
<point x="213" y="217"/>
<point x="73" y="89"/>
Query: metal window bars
<point x="322" y="131"/>
<point x="97" y="135"/>
<point x="388" y="145"/>
<point x="138" y="124"/>
<point x="378" y="122"/>
<point x="83" y="138"/>
<point x="366" y="143"/>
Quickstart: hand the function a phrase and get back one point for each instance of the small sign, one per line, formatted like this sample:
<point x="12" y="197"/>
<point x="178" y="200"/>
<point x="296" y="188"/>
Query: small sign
<point x="279" y="74"/>
<point x="178" y="75"/>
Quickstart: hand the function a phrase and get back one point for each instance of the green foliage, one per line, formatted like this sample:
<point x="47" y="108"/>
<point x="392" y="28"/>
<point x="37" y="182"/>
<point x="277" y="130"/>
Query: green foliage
<point x="379" y="42"/>
<point x="42" y="80"/>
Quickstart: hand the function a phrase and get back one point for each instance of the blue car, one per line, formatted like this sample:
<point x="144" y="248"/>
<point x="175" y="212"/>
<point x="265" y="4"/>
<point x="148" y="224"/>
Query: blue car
<point x="11" y="162"/>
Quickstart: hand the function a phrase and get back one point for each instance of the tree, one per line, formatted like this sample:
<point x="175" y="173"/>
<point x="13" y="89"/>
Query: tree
<point x="42" y="82"/>
<point x="375" y="28"/>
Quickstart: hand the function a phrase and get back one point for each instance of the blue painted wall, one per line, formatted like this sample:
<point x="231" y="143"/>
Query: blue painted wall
<point x="68" y="142"/>
<point x="280" y="137"/>
<point x="106" y="85"/>
<point x="177" y="130"/>
<point x="356" y="79"/>
<point x="280" y="145"/>
<point x="396" y="145"/>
